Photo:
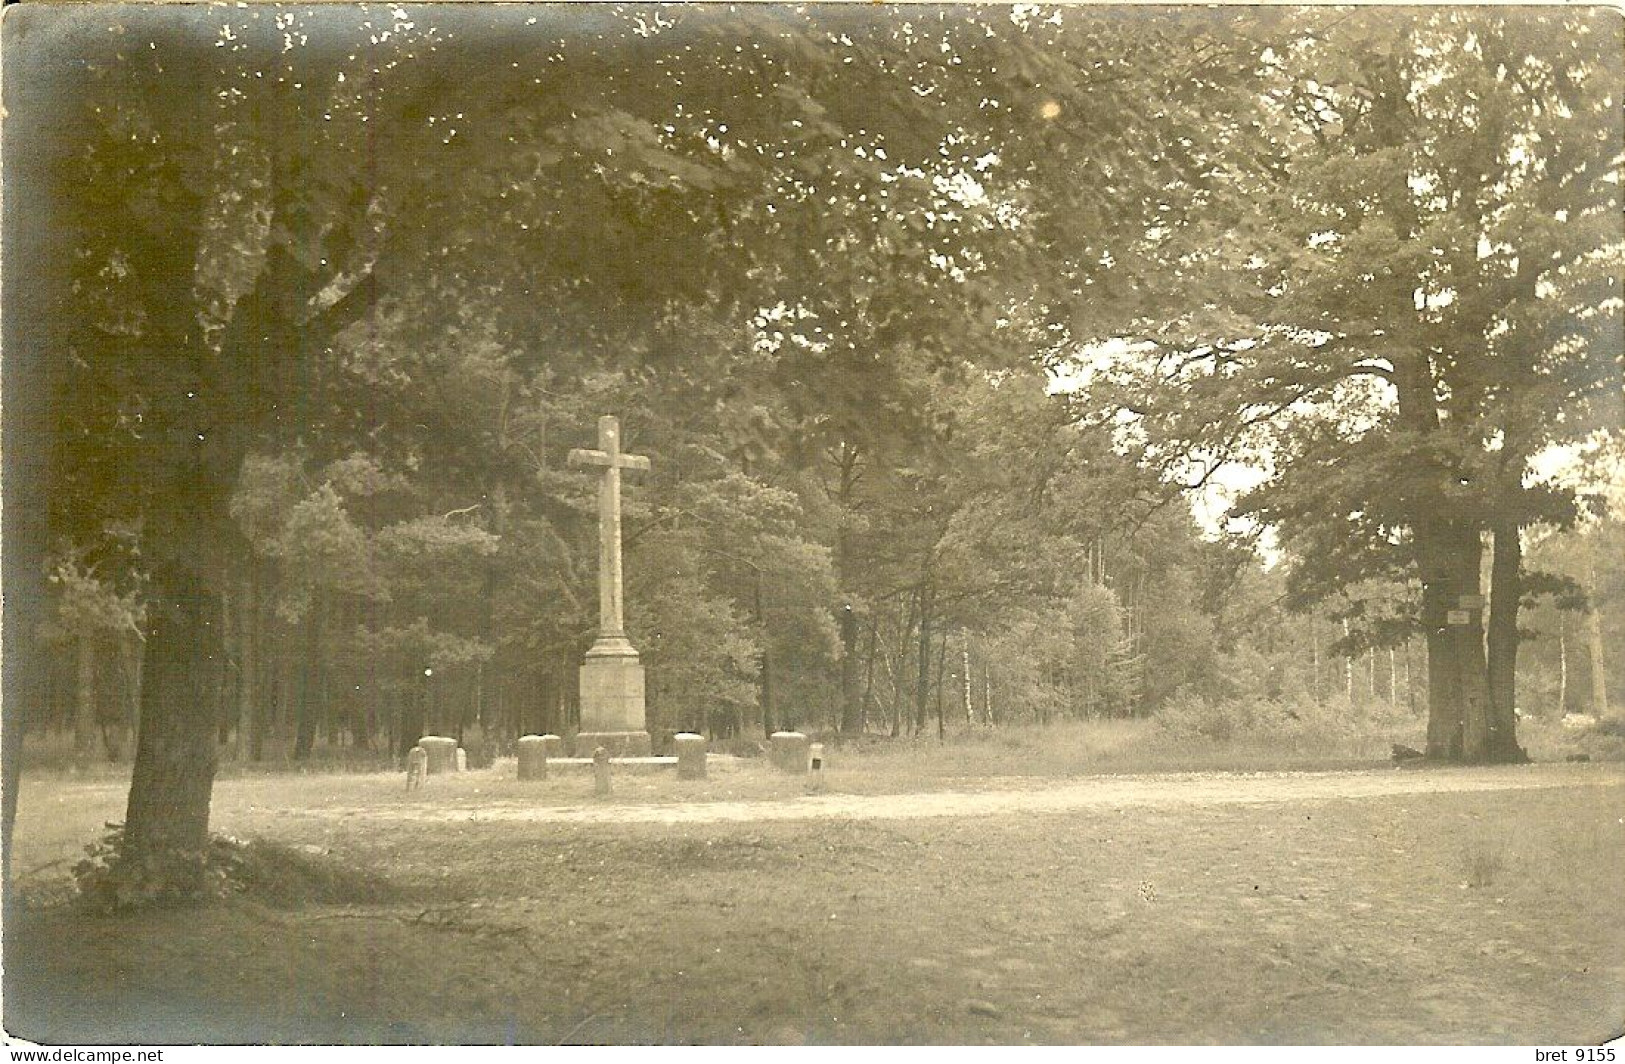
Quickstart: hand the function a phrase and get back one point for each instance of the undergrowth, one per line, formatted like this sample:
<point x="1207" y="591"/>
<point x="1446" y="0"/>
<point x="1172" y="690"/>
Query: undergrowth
<point x="108" y="879"/>
<point x="1332" y="726"/>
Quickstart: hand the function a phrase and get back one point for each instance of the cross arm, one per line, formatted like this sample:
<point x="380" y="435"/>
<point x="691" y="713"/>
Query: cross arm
<point x="580" y="456"/>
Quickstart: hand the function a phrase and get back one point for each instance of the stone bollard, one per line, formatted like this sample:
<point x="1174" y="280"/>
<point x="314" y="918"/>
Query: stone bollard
<point x="533" y="757"/>
<point x="690" y="755"/>
<point x="442" y="753"/>
<point x="600" y="772"/>
<point x="553" y="745"/>
<point x="789" y="752"/>
<point x="417" y="766"/>
<point x="817" y="760"/>
<point x="462" y="760"/>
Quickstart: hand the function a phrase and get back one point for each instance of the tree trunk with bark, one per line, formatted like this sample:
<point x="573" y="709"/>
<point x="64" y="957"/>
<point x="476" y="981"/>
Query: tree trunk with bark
<point x="166" y="824"/>
<point x="1594" y="640"/>
<point x="869" y="676"/>
<point x="248" y="661"/>
<point x="84" y="704"/>
<point x="942" y="661"/>
<point x="1448" y="555"/>
<point x="922" y="681"/>
<point x="851" y="697"/>
<point x="769" y="710"/>
<point x="1506" y="588"/>
<point x="964" y="664"/>
<point x="1562" y="667"/>
<point x="413" y="717"/>
<point x="313" y="687"/>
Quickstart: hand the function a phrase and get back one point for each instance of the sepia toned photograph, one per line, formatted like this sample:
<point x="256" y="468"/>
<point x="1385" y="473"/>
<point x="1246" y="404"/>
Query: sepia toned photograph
<point x="770" y="524"/>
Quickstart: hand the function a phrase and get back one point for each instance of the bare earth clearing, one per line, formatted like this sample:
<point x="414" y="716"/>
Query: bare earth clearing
<point x="1159" y="791"/>
<point x="1373" y="906"/>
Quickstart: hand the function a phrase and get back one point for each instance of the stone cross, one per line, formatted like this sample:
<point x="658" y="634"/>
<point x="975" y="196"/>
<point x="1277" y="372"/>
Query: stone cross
<point x="612" y="689"/>
<point x="611" y="623"/>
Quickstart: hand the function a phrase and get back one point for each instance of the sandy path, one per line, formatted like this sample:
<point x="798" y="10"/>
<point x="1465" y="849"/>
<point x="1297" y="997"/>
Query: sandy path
<point x="1106" y="792"/>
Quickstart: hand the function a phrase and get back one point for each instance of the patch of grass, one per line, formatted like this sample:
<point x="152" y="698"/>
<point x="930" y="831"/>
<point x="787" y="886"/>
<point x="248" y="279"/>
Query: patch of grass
<point x="290" y="877"/>
<point x="991" y="756"/>
<point x="1550" y="739"/>
<point x="1484" y="864"/>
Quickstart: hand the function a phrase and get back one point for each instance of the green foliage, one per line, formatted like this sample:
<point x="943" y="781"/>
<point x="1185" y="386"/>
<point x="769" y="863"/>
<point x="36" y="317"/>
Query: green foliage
<point x="88" y="606"/>
<point x="400" y="654"/>
<point x="703" y="659"/>
<point x="322" y="549"/>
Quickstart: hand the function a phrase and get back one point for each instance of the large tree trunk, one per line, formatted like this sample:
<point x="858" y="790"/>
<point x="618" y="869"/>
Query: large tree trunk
<point x="1506" y="587"/>
<point x="166" y="823"/>
<point x="1448" y="556"/>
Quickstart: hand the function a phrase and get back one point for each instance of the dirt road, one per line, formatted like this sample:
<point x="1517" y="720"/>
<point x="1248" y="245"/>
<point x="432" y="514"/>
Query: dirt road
<point x="1104" y="792"/>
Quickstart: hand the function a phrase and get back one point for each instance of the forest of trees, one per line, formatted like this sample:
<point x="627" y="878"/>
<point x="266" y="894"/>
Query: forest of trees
<point x="932" y="321"/>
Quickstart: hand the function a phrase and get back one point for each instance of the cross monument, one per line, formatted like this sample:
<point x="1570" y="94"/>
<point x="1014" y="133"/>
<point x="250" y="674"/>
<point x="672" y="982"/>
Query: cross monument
<point x="611" y="676"/>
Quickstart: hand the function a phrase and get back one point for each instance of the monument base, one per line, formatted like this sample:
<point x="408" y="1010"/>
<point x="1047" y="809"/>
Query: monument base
<point x="612" y="702"/>
<point x="616" y="743"/>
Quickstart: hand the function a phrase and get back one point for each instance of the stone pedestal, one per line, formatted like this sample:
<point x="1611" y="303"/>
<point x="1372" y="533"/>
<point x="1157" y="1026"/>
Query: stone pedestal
<point x="553" y="745"/>
<point x="532" y="757"/>
<point x="790" y="751"/>
<point x="442" y="753"/>
<point x="690" y="755"/>
<point x="612" y="702"/>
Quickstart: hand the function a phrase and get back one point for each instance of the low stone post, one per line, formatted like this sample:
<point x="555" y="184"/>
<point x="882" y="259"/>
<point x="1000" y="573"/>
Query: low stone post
<point x="690" y="755"/>
<point x="442" y="753"/>
<point x="417" y="766"/>
<point x="790" y="752"/>
<point x="462" y="760"/>
<point x="600" y="772"/>
<point x="533" y="757"/>
<point x="817" y="760"/>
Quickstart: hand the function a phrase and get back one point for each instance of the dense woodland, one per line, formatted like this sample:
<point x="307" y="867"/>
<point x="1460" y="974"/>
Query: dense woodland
<point x="933" y="322"/>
